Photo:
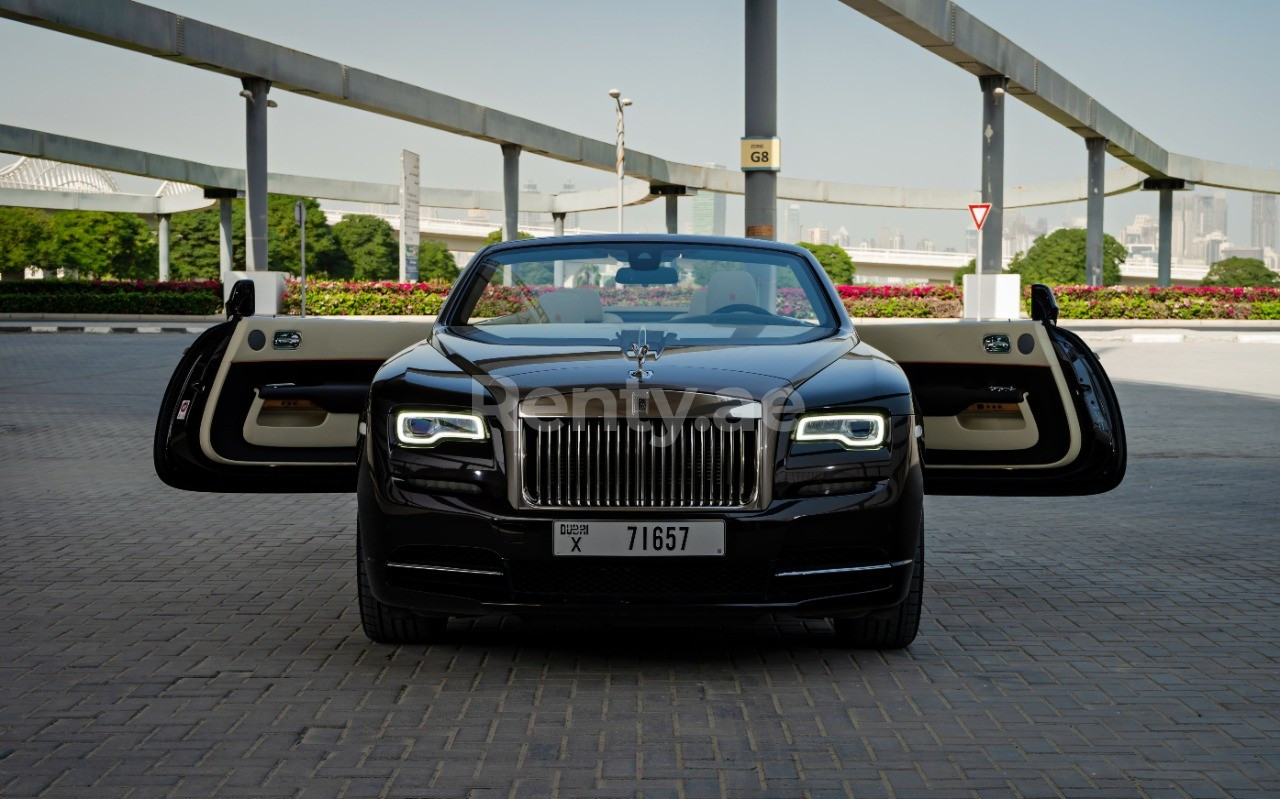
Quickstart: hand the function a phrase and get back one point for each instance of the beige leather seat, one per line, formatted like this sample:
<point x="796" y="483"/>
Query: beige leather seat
<point x="698" y="303"/>
<point x="731" y="288"/>
<point x="592" y="307"/>
<point x="561" y="308"/>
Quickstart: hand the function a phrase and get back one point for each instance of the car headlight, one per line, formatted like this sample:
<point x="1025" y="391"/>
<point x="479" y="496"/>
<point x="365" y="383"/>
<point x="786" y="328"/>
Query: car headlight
<point x="851" y="430"/>
<point x="426" y="428"/>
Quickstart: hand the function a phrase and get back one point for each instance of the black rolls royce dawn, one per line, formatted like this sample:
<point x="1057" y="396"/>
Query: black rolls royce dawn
<point x="669" y="427"/>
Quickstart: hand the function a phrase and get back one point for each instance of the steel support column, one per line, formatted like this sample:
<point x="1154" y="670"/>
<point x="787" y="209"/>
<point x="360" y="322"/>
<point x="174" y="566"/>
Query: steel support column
<point x="1097" y="148"/>
<point x="673" y="214"/>
<point x="255" y="198"/>
<point x="761" y="71"/>
<point x="226" y="247"/>
<point x="163" y="234"/>
<point x="992" y="236"/>
<point x="510" y="200"/>
<point x="557" y="221"/>
<point x="1164" y="264"/>
<point x="510" y="191"/>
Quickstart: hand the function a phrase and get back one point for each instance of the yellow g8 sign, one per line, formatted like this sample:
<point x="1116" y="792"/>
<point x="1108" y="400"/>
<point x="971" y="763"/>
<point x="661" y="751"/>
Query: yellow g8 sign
<point x="761" y="155"/>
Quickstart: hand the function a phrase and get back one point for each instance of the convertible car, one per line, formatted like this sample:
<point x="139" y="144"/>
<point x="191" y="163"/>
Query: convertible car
<point x="669" y="427"/>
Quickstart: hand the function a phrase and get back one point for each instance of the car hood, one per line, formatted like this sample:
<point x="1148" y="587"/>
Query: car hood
<point x="756" y="369"/>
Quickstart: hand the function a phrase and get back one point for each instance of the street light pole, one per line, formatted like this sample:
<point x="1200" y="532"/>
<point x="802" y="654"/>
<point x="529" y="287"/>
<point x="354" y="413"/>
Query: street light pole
<point x="622" y="102"/>
<point x="300" y="216"/>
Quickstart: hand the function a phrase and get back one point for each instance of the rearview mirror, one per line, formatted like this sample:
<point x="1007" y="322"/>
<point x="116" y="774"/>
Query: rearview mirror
<point x="659" y="276"/>
<point x="241" y="302"/>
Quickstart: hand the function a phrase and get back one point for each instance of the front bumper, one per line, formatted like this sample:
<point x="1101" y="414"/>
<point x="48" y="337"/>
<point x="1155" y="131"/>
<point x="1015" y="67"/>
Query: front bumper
<point x="464" y="556"/>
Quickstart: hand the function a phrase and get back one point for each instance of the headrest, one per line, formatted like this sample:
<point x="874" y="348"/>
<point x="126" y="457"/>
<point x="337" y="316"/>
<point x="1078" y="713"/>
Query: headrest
<point x="730" y="288"/>
<point x="588" y="300"/>
<point x="561" y="307"/>
<point x="698" y="303"/>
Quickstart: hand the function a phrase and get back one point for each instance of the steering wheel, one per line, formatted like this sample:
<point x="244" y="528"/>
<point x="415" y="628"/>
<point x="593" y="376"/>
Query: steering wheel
<point x="742" y="307"/>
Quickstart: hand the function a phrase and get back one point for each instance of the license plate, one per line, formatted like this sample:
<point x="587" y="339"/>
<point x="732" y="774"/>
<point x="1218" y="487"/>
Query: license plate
<point x="639" y="539"/>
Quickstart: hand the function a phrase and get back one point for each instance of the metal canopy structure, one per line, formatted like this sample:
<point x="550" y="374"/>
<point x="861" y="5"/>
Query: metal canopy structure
<point x="937" y="25"/>
<point x="39" y="144"/>
<point x="44" y="175"/>
<point x="953" y="34"/>
<point x="141" y="28"/>
<point x="54" y="185"/>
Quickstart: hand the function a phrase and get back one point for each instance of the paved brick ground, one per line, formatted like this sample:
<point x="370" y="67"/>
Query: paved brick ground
<point x="154" y="642"/>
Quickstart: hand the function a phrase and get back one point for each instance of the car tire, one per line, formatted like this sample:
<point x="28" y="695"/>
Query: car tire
<point x="384" y="624"/>
<point x="894" y="628"/>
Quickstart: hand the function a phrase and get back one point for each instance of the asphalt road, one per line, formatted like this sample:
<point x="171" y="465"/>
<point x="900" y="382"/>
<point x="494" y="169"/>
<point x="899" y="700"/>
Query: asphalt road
<point x="155" y="642"/>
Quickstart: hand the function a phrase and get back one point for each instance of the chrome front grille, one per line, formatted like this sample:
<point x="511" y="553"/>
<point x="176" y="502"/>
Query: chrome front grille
<point x="616" y="463"/>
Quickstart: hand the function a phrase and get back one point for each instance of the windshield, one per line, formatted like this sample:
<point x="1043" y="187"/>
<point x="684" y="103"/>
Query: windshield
<point x="682" y="294"/>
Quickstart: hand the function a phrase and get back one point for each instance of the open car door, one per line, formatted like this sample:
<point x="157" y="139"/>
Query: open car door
<point x="272" y="403"/>
<point x="1012" y="408"/>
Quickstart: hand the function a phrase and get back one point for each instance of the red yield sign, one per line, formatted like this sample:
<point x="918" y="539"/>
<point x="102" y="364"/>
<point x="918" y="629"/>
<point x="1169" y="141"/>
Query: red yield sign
<point x="979" y="213"/>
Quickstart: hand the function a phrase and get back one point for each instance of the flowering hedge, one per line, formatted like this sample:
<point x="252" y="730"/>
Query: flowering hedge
<point x="1179" y="302"/>
<point x="176" y="297"/>
<point x="201" y="297"/>
<point x="937" y="302"/>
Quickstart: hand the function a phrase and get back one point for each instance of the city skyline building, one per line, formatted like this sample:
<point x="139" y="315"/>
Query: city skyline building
<point x="527" y="218"/>
<point x="1195" y="218"/>
<point x="570" y="220"/>
<point x="708" y="211"/>
<point x="817" y="235"/>
<point x="792" y="222"/>
<point x="1265" y="223"/>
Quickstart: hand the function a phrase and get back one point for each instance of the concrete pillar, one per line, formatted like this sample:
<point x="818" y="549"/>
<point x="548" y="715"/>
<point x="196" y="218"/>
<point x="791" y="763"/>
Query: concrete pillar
<point x="557" y="220"/>
<point x="510" y="191"/>
<point x="992" y="236"/>
<point x="1097" y="148"/>
<point x="510" y="201"/>
<point x="226" y="247"/>
<point x="1164" y="267"/>
<point x="761" y="69"/>
<point x="163" y="235"/>
<point x="255" y="202"/>
<point x="673" y="214"/>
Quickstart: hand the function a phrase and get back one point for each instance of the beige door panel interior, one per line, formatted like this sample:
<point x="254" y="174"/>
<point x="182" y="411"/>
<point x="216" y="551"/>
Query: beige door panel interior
<point x="982" y="427"/>
<point x="301" y="425"/>
<point x="290" y="423"/>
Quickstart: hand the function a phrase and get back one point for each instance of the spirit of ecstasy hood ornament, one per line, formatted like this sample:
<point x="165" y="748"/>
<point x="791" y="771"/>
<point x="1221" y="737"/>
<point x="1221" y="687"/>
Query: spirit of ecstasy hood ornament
<point x="639" y="352"/>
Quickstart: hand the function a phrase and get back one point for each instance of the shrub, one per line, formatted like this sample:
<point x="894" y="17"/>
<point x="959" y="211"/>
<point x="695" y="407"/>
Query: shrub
<point x="922" y="302"/>
<point x="177" y="298"/>
<point x="1177" y="302"/>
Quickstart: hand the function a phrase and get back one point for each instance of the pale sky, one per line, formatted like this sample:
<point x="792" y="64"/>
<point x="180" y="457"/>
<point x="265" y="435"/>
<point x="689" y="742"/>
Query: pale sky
<point x="857" y="103"/>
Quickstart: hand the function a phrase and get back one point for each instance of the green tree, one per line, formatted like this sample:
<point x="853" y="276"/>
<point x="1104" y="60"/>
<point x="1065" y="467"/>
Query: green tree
<point x="1058" y="259"/>
<point x="957" y="277"/>
<point x="24" y="241"/>
<point x="435" y="263"/>
<point x="496" y="236"/>
<point x="100" y="244"/>
<point x="370" y="245"/>
<point x="530" y="274"/>
<point x="834" y="260"/>
<point x="194" y="243"/>
<point x="324" y="257"/>
<point x="1240" y="272"/>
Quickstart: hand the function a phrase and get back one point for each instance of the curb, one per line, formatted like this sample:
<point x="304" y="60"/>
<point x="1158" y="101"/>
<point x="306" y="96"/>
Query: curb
<point x="1176" y="337"/>
<point x="1131" y="336"/>
<point x="92" y="328"/>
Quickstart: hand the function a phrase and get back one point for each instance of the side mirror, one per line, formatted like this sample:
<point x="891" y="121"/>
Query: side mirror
<point x="241" y="300"/>
<point x="1044" y="308"/>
